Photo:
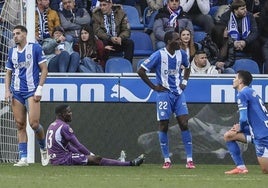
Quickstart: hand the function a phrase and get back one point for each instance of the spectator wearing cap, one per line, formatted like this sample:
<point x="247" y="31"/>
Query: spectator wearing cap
<point x="72" y="18"/>
<point x="46" y="20"/>
<point x="110" y="24"/>
<point x="59" y="53"/>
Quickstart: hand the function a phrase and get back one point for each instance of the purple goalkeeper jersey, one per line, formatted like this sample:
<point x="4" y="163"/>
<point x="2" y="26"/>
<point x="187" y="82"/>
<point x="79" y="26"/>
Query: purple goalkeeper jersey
<point x="62" y="143"/>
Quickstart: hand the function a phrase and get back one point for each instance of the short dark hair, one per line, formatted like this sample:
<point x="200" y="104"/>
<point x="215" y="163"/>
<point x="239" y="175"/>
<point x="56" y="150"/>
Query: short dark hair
<point x="236" y="4"/>
<point x="168" y="36"/>
<point x="245" y="76"/>
<point x="21" y="27"/>
<point x="61" y="109"/>
<point x="58" y="28"/>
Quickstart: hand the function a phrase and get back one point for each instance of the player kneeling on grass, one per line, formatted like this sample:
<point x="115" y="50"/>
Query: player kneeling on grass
<point x="65" y="149"/>
<point x="253" y="119"/>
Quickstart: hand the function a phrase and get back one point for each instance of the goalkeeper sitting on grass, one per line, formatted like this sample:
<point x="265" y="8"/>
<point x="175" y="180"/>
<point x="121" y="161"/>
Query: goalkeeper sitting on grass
<point x="65" y="149"/>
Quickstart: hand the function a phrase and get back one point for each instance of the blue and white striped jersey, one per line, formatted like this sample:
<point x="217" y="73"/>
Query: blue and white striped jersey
<point x="168" y="68"/>
<point x="25" y="67"/>
<point x="247" y="99"/>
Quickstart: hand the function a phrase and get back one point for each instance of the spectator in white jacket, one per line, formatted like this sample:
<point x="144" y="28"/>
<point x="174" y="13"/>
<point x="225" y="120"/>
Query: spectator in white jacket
<point x="198" y="11"/>
<point x="201" y="65"/>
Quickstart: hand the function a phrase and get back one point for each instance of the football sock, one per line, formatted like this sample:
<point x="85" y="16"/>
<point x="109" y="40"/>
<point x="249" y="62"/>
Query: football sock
<point x="113" y="162"/>
<point x="23" y="150"/>
<point x="235" y="153"/>
<point x="163" y="139"/>
<point x="41" y="142"/>
<point x="187" y="142"/>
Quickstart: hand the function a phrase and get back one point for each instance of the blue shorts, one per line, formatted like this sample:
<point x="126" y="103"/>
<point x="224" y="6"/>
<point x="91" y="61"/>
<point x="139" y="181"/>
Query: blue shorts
<point x="261" y="147"/>
<point x="22" y="96"/>
<point x="168" y="103"/>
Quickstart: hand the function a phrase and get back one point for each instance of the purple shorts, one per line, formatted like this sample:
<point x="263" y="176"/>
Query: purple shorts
<point x="70" y="159"/>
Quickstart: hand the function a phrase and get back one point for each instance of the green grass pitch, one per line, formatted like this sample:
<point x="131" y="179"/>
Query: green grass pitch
<point x="147" y="176"/>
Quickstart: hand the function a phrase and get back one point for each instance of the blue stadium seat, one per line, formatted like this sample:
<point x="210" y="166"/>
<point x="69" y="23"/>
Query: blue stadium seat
<point x="213" y="10"/>
<point x="143" y="45"/>
<point x="118" y="65"/>
<point x="199" y="35"/>
<point x="246" y="64"/>
<point x="198" y="28"/>
<point x="133" y="17"/>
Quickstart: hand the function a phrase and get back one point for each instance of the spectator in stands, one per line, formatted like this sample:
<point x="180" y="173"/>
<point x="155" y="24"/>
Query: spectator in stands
<point x="198" y="11"/>
<point x="263" y="23"/>
<point x="72" y="18"/>
<point x="110" y="24"/>
<point x="46" y="20"/>
<point x="254" y="6"/>
<point x="92" y="51"/>
<point x="242" y="27"/>
<point x="187" y="43"/>
<point x="201" y="65"/>
<point x="57" y="4"/>
<point x="152" y="11"/>
<point x="225" y="58"/>
<point x="59" y="53"/>
<point x="170" y="18"/>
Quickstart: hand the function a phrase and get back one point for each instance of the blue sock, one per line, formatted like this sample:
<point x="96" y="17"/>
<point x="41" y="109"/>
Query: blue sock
<point x="163" y="140"/>
<point x="41" y="142"/>
<point x="235" y="152"/>
<point x="23" y="150"/>
<point x="187" y="142"/>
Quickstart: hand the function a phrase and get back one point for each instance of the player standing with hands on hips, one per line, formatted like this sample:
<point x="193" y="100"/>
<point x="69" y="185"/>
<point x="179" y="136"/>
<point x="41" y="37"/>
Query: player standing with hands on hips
<point x="23" y="87"/>
<point x="170" y="97"/>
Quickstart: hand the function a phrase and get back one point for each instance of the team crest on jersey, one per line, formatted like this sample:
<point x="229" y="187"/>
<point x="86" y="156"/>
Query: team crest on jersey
<point x="146" y="61"/>
<point x="29" y="56"/>
<point x="254" y="94"/>
<point x="238" y="101"/>
<point x="71" y="130"/>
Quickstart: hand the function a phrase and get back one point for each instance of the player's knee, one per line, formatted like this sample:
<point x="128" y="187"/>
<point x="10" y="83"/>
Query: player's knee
<point x="34" y="124"/>
<point x="227" y="136"/>
<point x="21" y="124"/>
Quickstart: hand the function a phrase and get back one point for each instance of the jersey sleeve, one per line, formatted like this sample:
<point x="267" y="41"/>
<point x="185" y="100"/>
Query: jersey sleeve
<point x="9" y="63"/>
<point x="185" y="59"/>
<point x="69" y="135"/>
<point x="151" y="62"/>
<point x="40" y="55"/>
<point x="243" y="109"/>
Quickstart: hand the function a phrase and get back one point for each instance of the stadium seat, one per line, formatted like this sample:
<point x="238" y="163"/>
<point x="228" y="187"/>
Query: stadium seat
<point x="118" y="65"/>
<point x="246" y="64"/>
<point x="143" y="45"/>
<point x="199" y="35"/>
<point x="213" y="10"/>
<point x="197" y="28"/>
<point x="133" y="17"/>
